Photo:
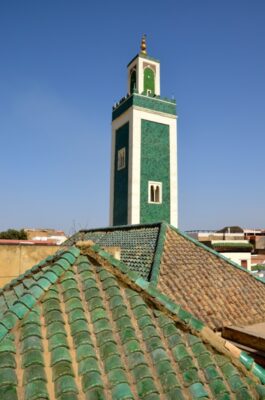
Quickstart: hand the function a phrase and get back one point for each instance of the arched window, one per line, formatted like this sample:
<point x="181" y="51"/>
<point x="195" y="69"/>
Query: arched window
<point x="155" y="192"/>
<point x="133" y="81"/>
<point x="149" y="80"/>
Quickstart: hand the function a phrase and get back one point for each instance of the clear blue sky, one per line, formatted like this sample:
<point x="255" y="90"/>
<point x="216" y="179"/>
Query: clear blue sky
<point x="62" y="67"/>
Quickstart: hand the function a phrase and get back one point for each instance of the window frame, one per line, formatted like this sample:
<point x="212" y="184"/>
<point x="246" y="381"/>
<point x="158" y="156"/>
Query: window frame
<point x="155" y="185"/>
<point x="121" y="159"/>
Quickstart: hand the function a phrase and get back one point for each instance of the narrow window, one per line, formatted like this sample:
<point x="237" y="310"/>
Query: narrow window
<point x="121" y="159"/>
<point x="155" y="192"/>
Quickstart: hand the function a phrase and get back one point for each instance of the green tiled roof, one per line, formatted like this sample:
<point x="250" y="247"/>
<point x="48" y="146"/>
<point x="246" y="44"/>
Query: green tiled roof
<point x="137" y="243"/>
<point x="90" y="328"/>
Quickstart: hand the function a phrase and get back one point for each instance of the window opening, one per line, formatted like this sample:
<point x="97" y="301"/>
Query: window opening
<point x="155" y="192"/>
<point x="121" y="159"/>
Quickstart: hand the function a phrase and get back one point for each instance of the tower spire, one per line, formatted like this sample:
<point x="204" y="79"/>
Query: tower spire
<point x="143" y="44"/>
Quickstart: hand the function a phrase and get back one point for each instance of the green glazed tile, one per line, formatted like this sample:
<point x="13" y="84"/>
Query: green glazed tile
<point x="73" y="304"/>
<point x="122" y="391"/>
<point x="69" y="284"/>
<point x="91" y="380"/>
<point x="102" y="325"/>
<point x="65" y="384"/>
<point x="57" y="340"/>
<point x="185" y="364"/>
<point x="88" y="365"/>
<point x="132" y="346"/>
<point x="135" y="359"/>
<point x="91" y="293"/>
<point x="69" y="257"/>
<point x="94" y="303"/>
<point x="19" y="309"/>
<point x="116" y="301"/>
<point x="9" y="320"/>
<point x="174" y="394"/>
<point x="7" y="344"/>
<point x="127" y="334"/>
<point x="145" y="321"/>
<point x="75" y="315"/>
<point x="141" y="371"/>
<point x="82" y="337"/>
<point x="190" y="376"/>
<point x="169" y="381"/>
<point x="97" y="314"/>
<point x="149" y="332"/>
<point x="78" y="326"/>
<point x="51" y="276"/>
<point x="198" y="391"/>
<point x="34" y="373"/>
<point x="123" y="322"/>
<point x="205" y="360"/>
<point x="243" y="394"/>
<point x="236" y="383"/>
<point x="36" y="390"/>
<point x="211" y="373"/>
<point x="164" y="367"/>
<point x="3" y="331"/>
<point x="60" y="354"/>
<point x="7" y="360"/>
<point x="8" y="392"/>
<point x="54" y="328"/>
<point x="140" y="311"/>
<point x="28" y="300"/>
<point x="51" y="304"/>
<point x="112" y="362"/>
<point x="108" y="349"/>
<point x="180" y="352"/>
<point x="119" y="312"/>
<point x="159" y="355"/>
<point x="32" y="357"/>
<point x="117" y="376"/>
<point x="84" y="351"/>
<point x="96" y="393"/>
<point x="217" y="386"/>
<point x="31" y="343"/>
<point x="62" y="368"/>
<point x="53" y="315"/>
<point x="112" y="291"/>
<point x="146" y="386"/>
<point x="8" y="377"/>
<point x="44" y="283"/>
<point x="229" y="370"/>
<point x="30" y="330"/>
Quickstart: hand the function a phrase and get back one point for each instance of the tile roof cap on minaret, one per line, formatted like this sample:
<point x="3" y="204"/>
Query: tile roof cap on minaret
<point x="143" y="52"/>
<point x="143" y="45"/>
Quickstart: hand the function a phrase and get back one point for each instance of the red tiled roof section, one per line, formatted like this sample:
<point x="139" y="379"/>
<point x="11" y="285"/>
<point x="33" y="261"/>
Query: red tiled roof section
<point x="207" y="286"/>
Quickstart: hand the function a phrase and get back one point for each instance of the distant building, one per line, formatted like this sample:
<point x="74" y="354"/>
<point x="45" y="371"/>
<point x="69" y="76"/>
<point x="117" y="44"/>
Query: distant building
<point x="46" y="235"/>
<point x="230" y="242"/>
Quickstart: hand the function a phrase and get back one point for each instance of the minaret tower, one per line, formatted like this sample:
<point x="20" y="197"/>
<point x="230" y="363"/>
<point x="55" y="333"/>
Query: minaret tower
<point x="144" y="149"/>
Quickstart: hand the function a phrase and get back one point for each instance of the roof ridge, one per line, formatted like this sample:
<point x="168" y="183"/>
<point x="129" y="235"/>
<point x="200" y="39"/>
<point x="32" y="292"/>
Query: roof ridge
<point x="215" y="253"/>
<point x="155" y="269"/>
<point x="35" y="291"/>
<point x="124" y="227"/>
<point x="175" y="311"/>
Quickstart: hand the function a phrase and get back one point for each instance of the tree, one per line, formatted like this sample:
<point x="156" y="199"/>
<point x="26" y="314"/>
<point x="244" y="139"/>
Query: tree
<point x="14" y="234"/>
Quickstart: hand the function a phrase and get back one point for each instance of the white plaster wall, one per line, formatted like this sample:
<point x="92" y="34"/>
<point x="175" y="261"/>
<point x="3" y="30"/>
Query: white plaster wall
<point x="238" y="257"/>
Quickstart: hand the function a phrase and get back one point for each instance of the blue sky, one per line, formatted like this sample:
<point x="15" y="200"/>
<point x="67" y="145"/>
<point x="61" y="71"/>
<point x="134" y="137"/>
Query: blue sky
<point x="62" y="67"/>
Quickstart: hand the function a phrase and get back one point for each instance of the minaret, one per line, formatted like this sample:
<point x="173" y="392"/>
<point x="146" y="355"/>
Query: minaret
<point x="143" y="186"/>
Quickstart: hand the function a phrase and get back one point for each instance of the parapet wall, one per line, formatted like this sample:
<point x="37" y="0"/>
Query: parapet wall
<point x="17" y="258"/>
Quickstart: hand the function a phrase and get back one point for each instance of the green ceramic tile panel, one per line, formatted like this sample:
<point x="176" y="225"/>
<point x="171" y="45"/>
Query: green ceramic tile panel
<point x="151" y="103"/>
<point x="154" y="167"/>
<point x="149" y="80"/>
<point x="120" y="202"/>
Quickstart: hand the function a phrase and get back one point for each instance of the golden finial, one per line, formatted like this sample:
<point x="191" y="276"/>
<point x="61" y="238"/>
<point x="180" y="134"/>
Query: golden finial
<point x="143" y="44"/>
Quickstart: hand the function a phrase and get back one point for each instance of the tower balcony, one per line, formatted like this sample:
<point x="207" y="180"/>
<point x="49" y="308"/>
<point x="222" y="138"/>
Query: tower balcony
<point x="144" y="100"/>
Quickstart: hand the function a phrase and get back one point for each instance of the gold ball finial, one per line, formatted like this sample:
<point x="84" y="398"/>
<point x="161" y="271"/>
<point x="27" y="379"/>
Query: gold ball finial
<point x="143" y="44"/>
